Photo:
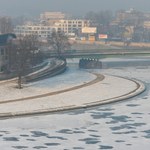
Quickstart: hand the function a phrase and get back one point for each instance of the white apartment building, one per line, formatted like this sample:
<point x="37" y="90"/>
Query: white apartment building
<point x="71" y="26"/>
<point x="40" y="30"/>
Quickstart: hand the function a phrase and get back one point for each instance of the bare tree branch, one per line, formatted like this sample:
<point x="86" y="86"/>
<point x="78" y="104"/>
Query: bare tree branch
<point x="59" y="42"/>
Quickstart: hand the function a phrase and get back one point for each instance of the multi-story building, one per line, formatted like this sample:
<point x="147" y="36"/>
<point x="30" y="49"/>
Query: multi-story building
<point x="71" y="26"/>
<point x="49" y="18"/>
<point x="39" y="30"/>
<point x="52" y="16"/>
<point x="53" y="21"/>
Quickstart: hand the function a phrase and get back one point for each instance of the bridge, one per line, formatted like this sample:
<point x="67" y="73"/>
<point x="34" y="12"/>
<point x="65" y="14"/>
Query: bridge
<point x="100" y="53"/>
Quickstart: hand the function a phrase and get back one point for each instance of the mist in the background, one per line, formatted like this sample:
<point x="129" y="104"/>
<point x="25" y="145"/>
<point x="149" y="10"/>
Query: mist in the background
<point x="75" y="7"/>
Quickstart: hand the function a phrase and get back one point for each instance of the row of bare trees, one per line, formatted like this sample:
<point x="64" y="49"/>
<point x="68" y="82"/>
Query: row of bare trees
<point x="24" y="52"/>
<point x="21" y="54"/>
<point x="59" y="42"/>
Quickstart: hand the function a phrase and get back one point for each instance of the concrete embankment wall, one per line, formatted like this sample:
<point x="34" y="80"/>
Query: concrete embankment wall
<point x="53" y="68"/>
<point x="8" y="76"/>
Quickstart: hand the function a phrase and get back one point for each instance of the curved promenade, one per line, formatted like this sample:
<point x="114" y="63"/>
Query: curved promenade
<point x="86" y="89"/>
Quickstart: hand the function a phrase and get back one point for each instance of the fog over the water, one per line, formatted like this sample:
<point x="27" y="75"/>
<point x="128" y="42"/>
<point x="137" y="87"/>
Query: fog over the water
<point x="76" y="7"/>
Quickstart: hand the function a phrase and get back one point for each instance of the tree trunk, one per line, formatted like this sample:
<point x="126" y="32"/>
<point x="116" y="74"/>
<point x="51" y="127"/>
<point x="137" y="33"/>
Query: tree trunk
<point x="19" y="81"/>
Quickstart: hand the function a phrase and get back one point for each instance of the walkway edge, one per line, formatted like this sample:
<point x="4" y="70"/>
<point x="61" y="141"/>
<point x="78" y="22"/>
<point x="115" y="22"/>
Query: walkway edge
<point x="140" y="88"/>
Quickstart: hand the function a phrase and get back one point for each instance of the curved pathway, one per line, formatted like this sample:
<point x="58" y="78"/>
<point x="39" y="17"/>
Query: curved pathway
<point x="98" y="78"/>
<point x="101" y="90"/>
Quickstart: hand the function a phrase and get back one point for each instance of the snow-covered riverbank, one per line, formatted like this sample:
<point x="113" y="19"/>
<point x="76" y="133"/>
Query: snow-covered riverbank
<point x="118" y="126"/>
<point x="74" y="89"/>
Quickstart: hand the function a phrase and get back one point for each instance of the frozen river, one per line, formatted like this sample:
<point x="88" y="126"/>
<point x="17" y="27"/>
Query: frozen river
<point x="119" y="126"/>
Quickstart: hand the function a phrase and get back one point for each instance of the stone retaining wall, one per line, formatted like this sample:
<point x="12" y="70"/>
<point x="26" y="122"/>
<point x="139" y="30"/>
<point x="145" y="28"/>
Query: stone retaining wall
<point x="53" y="68"/>
<point x="90" y="64"/>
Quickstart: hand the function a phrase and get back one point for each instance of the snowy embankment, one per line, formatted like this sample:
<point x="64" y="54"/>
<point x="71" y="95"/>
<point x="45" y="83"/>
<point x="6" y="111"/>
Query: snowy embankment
<point x="48" y="96"/>
<point x="66" y="80"/>
<point x="120" y="126"/>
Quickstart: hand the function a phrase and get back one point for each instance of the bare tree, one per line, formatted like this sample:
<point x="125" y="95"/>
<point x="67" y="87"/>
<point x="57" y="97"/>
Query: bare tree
<point x="25" y="50"/>
<point x="100" y="18"/>
<point x="59" y="42"/>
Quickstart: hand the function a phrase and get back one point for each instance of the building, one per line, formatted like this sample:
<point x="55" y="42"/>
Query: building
<point x="89" y="33"/>
<point x="4" y="46"/>
<point x="52" y="16"/>
<point x="146" y="24"/>
<point x="40" y="30"/>
<point x="129" y="17"/>
<point x="69" y="27"/>
<point x="49" y="18"/>
<point x="53" y="21"/>
<point x="72" y="27"/>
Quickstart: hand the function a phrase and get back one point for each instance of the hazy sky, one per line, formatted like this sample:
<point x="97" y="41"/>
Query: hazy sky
<point x="76" y="7"/>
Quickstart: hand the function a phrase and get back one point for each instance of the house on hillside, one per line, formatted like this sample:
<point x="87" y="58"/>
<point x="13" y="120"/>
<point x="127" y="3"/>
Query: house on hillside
<point x="5" y="40"/>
